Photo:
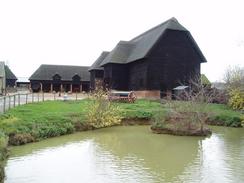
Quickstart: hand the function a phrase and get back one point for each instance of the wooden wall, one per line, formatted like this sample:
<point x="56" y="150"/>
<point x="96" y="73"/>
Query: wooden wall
<point x="138" y="75"/>
<point x="10" y="82"/>
<point x="95" y="74"/>
<point x="116" y="76"/>
<point x="173" y="61"/>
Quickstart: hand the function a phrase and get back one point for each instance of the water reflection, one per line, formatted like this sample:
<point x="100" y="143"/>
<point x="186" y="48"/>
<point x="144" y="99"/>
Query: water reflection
<point x="130" y="154"/>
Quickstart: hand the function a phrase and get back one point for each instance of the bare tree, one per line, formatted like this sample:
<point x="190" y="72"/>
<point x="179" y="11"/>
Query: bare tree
<point x="234" y="77"/>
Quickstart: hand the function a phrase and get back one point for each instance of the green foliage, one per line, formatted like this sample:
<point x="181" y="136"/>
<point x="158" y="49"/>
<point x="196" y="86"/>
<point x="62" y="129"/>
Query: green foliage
<point x="224" y="120"/>
<point x="101" y="112"/>
<point x="204" y="80"/>
<point x="37" y="121"/>
<point x="236" y="99"/>
<point x="3" y="153"/>
<point x="158" y="120"/>
<point x="142" y="109"/>
<point x="234" y="79"/>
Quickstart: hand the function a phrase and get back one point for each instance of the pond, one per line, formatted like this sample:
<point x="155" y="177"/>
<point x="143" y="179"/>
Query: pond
<point x="130" y="154"/>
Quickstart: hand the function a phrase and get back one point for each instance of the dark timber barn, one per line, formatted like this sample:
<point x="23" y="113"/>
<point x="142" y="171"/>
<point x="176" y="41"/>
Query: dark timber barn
<point x="152" y="63"/>
<point x="60" y="78"/>
<point x="10" y="77"/>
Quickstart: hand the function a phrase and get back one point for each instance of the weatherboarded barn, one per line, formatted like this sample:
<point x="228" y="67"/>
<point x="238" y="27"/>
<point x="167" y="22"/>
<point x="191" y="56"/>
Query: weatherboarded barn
<point x="152" y="63"/>
<point x="10" y="77"/>
<point x="60" y="78"/>
<point x="96" y="71"/>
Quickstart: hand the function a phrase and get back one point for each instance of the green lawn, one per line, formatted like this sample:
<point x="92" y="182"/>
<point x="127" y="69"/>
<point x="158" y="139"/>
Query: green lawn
<point x="36" y="121"/>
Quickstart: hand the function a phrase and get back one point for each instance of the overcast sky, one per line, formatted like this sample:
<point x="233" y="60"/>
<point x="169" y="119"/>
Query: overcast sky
<point x="75" y="32"/>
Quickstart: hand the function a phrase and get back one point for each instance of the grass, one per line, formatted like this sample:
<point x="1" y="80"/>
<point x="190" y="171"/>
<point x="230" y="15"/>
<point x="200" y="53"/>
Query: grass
<point x="219" y="114"/>
<point x="224" y="115"/>
<point x="3" y="153"/>
<point x="36" y="121"/>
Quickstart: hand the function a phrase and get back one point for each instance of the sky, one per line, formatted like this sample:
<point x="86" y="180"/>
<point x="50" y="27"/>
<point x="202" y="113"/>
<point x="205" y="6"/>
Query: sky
<point x="75" y="32"/>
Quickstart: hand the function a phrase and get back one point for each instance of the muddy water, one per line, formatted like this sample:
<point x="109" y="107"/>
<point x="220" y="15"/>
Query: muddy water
<point x="130" y="154"/>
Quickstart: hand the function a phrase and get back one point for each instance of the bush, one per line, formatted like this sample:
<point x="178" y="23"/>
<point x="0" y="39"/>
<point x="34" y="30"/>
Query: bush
<point x="236" y="99"/>
<point x="158" y="120"/>
<point x="219" y="96"/>
<point x="224" y="120"/>
<point x="19" y="139"/>
<point x="101" y="112"/>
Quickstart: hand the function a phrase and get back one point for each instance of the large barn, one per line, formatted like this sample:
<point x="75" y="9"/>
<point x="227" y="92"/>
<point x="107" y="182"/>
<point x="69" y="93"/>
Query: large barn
<point x="60" y="78"/>
<point x="10" y="77"/>
<point x="152" y="63"/>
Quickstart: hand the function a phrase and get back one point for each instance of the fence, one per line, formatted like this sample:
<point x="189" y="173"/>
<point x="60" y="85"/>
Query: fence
<point x="14" y="100"/>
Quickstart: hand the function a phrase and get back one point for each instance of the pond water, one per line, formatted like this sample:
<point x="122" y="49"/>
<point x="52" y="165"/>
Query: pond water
<point x="130" y="154"/>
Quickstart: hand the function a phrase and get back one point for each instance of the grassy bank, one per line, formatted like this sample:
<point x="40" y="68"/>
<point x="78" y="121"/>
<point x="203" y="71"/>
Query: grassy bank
<point x="3" y="153"/>
<point x="36" y="121"/>
<point x="33" y="122"/>
<point x="219" y="114"/>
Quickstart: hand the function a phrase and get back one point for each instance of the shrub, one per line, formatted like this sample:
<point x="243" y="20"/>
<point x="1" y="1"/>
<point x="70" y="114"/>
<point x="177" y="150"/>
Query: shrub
<point x="236" y="99"/>
<point x="19" y="139"/>
<point x="224" y="120"/>
<point x="101" y="112"/>
<point x="219" y="96"/>
<point x="158" y="120"/>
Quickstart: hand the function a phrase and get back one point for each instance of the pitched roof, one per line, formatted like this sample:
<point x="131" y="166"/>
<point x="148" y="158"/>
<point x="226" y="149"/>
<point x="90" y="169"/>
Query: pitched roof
<point x="120" y="53"/>
<point x="46" y="72"/>
<point x="9" y="74"/>
<point x="140" y="46"/>
<point x="2" y="73"/>
<point x="96" y="64"/>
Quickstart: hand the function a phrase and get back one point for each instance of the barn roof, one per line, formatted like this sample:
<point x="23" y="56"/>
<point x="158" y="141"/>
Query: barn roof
<point x="120" y="53"/>
<point x="66" y="72"/>
<point x="9" y="74"/>
<point x="138" y="48"/>
<point x="96" y="64"/>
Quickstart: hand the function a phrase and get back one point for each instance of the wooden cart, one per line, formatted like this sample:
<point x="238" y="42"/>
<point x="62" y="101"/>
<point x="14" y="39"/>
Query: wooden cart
<point x="122" y="96"/>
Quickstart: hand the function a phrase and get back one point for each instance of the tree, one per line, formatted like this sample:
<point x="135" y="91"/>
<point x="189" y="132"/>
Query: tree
<point x="234" y="77"/>
<point x="204" y="80"/>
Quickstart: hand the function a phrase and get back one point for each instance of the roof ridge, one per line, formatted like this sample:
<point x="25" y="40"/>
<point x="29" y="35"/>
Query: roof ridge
<point x="62" y="65"/>
<point x="171" y="19"/>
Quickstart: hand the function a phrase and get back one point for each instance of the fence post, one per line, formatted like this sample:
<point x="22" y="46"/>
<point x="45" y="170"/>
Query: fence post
<point x="4" y="104"/>
<point x="26" y="99"/>
<point x="14" y="100"/>
<point x="32" y="97"/>
<point x="19" y="98"/>
<point x="9" y="102"/>
<point x="54" y="96"/>
<point x="42" y="96"/>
